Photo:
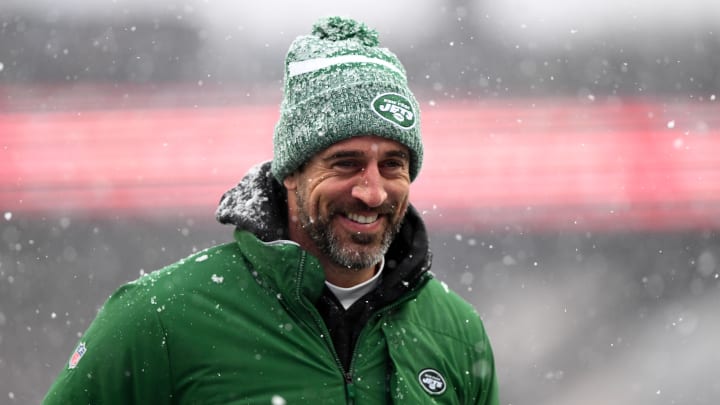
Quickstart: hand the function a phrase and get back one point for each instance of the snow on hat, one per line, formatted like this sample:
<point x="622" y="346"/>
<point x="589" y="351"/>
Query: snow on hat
<point x="338" y="84"/>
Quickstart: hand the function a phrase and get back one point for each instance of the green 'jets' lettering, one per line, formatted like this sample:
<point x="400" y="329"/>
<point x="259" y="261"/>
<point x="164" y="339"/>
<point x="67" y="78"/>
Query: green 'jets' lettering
<point x="395" y="108"/>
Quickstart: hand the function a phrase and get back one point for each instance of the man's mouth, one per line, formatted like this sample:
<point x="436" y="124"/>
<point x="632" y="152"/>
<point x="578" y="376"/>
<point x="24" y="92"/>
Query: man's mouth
<point x="362" y="219"/>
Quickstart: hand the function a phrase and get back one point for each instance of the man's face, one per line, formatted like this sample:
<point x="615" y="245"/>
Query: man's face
<point x="350" y="199"/>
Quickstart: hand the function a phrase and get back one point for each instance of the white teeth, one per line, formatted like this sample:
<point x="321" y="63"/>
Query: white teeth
<point x="362" y="219"/>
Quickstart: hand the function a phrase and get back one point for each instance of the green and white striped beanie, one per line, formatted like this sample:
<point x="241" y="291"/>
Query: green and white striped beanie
<point x="338" y="84"/>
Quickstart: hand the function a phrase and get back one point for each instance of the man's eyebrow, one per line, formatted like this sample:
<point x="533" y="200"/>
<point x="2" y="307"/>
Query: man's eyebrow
<point x="344" y="154"/>
<point x="358" y="153"/>
<point x="398" y="154"/>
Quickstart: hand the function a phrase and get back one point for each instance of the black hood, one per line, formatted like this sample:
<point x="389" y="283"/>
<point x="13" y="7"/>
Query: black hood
<point x="258" y="204"/>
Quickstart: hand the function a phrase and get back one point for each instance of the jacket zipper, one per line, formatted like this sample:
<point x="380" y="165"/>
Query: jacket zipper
<point x="325" y="334"/>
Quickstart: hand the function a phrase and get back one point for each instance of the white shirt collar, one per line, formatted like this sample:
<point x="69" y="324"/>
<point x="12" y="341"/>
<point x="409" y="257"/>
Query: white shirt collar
<point x="348" y="296"/>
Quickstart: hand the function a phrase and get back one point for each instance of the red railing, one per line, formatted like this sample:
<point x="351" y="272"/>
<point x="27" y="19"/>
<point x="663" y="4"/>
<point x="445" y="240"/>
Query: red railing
<point x="551" y="164"/>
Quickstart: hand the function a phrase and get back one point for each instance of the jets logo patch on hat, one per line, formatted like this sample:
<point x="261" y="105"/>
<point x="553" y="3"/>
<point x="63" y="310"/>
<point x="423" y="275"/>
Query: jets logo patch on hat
<point x="432" y="381"/>
<point x="395" y="108"/>
<point x="77" y="355"/>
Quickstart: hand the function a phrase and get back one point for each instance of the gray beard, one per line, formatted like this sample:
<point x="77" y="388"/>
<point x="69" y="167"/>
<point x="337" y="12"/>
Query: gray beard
<point x="330" y="245"/>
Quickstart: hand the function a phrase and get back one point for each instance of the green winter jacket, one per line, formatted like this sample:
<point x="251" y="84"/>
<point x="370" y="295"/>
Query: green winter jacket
<point x="238" y="324"/>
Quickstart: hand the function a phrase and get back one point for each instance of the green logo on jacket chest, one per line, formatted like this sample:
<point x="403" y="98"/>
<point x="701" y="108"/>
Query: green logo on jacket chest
<point x="432" y="381"/>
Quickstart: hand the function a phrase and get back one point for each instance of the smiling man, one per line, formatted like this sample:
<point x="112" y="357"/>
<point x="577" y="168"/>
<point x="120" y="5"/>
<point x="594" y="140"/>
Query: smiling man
<point x="325" y="296"/>
<point x="347" y="205"/>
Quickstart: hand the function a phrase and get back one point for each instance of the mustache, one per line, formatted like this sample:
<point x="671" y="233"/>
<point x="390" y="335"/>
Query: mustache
<point x="387" y="208"/>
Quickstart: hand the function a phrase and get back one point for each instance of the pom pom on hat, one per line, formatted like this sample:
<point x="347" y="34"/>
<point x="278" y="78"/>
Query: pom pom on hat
<point x="338" y="29"/>
<point x="339" y="84"/>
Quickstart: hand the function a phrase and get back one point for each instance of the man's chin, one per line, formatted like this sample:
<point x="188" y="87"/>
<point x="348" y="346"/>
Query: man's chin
<point x="357" y="257"/>
<point x="365" y="239"/>
<point x="356" y="249"/>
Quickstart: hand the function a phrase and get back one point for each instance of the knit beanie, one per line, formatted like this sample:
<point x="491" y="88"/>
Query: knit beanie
<point x="339" y="84"/>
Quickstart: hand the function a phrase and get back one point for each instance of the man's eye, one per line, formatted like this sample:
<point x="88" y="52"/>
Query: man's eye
<point x="394" y="164"/>
<point x="346" y="164"/>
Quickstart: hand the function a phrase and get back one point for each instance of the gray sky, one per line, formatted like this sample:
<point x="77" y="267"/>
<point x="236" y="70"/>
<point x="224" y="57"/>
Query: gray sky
<point x="545" y="22"/>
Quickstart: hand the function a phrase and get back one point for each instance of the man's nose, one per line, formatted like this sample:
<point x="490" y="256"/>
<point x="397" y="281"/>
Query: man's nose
<point x="370" y="187"/>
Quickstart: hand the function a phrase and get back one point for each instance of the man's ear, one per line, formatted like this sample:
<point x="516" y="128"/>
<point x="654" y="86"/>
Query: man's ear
<point x="291" y="181"/>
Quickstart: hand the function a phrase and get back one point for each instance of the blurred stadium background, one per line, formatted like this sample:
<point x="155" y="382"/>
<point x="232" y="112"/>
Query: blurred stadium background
<point x="572" y="180"/>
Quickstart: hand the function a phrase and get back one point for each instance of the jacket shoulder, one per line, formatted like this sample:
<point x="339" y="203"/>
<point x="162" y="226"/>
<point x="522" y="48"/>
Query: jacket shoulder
<point x="439" y="307"/>
<point x="192" y="269"/>
<point x="127" y="341"/>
